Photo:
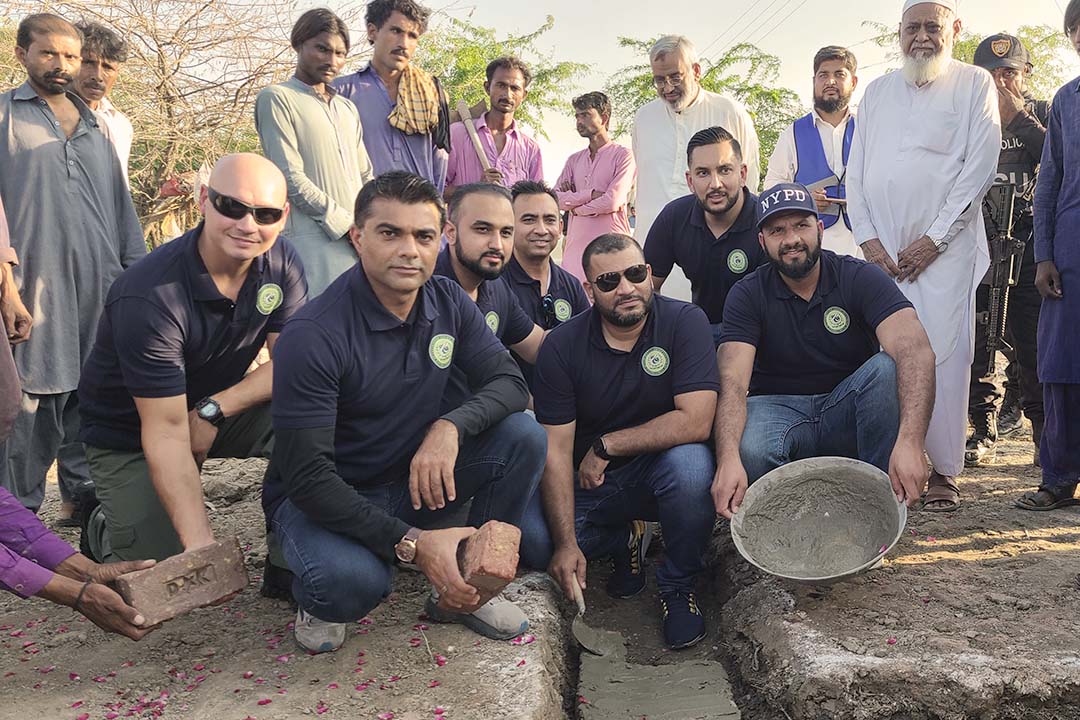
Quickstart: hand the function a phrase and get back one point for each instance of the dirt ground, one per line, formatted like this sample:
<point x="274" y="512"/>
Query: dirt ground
<point x="240" y="662"/>
<point x="975" y="614"/>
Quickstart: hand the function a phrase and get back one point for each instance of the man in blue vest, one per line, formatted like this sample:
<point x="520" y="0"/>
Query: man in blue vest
<point x="814" y="150"/>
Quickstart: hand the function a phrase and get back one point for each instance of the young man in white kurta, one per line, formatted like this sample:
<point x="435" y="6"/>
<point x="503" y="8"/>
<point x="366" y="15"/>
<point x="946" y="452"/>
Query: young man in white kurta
<point x="663" y="127"/>
<point x="921" y="161"/>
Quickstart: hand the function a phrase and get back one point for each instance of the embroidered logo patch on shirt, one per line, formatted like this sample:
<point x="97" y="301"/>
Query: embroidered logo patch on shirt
<point x="655" y="361"/>
<point x="836" y="320"/>
<point x="563" y="311"/>
<point x="737" y="262"/>
<point x="492" y="320"/>
<point x="441" y="350"/>
<point x="269" y="298"/>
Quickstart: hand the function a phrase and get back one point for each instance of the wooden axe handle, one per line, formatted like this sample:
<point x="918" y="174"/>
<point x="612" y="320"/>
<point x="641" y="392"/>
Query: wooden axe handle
<point x="467" y="119"/>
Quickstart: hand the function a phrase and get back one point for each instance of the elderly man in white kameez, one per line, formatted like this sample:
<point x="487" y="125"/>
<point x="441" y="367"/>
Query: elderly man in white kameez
<point x="663" y="127"/>
<point x="925" y="152"/>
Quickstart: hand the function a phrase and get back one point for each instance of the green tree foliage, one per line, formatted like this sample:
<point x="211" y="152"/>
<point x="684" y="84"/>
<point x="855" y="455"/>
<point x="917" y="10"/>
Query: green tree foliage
<point x="743" y="72"/>
<point x="1050" y="51"/>
<point x="458" y="52"/>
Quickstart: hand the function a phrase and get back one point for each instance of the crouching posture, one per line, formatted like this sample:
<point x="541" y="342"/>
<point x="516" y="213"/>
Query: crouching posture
<point x="832" y="354"/>
<point x="626" y="392"/>
<point x="363" y="462"/>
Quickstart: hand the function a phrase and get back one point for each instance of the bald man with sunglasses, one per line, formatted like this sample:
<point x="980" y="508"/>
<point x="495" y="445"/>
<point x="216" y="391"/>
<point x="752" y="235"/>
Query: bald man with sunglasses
<point x="626" y="392"/>
<point x="166" y="384"/>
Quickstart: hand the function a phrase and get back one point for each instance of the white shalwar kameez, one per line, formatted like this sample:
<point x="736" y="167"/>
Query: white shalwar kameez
<point x="660" y="136"/>
<point x="921" y="161"/>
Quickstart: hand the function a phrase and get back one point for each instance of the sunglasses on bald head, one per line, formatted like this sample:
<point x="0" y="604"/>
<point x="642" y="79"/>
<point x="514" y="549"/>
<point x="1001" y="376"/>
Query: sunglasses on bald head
<point x="233" y="209"/>
<point x="606" y="282"/>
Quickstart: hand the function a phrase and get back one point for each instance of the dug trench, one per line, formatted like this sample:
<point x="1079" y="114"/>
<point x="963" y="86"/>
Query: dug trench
<point x="974" y="615"/>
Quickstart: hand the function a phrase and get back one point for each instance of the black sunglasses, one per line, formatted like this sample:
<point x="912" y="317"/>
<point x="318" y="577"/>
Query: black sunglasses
<point x="233" y="209"/>
<point x="606" y="282"/>
<point x="548" y="304"/>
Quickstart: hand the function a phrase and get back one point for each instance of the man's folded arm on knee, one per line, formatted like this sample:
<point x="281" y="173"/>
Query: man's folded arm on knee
<point x="500" y="392"/>
<point x="904" y="339"/>
<point x="690" y="422"/>
<point x="166" y="442"/>
<point x="304" y="459"/>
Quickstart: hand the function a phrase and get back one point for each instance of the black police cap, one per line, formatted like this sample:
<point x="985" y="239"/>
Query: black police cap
<point x="1002" y="50"/>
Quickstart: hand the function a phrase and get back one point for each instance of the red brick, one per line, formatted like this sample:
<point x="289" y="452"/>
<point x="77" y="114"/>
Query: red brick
<point x="184" y="582"/>
<point x="489" y="558"/>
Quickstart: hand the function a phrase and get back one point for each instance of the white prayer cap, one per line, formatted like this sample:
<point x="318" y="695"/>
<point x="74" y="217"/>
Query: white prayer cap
<point x="949" y="4"/>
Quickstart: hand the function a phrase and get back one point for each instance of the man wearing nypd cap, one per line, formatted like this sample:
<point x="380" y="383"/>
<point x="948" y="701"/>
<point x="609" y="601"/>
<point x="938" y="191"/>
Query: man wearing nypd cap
<point x="626" y="393"/>
<point x="166" y="383"/>
<point x="1023" y="130"/>
<point x="821" y="354"/>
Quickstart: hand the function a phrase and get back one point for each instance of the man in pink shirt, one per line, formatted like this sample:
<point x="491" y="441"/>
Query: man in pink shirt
<point x="512" y="154"/>
<point x="595" y="184"/>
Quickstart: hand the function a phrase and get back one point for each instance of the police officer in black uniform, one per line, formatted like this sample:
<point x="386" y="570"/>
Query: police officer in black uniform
<point x="1023" y="121"/>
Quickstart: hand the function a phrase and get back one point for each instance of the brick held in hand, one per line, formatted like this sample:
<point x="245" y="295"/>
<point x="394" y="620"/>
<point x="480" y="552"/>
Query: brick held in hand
<point x="184" y="582"/>
<point x="489" y="558"/>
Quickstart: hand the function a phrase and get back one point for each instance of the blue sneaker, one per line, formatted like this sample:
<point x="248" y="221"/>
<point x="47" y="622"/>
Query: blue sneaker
<point x="683" y="623"/>
<point x="629" y="576"/>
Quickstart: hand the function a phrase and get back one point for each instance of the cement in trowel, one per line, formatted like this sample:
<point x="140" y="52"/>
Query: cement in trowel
<point x="614" y="689"/>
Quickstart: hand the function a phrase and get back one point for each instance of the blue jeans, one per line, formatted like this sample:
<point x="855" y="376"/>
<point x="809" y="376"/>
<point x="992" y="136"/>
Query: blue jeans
<point x="338" y="579"/>
<point x="670" y="486"/>
<point x="859" y="419"/>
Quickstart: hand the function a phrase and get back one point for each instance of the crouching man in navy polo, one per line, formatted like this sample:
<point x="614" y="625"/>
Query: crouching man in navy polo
<point x="832" y="354"/>
<point x="626" y="392"/>
<point x="165" y="386"/>
<point x="364" y="463"/>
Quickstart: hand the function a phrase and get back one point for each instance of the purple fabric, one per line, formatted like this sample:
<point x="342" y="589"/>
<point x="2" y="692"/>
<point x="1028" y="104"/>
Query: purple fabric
<point x="28" y="551"/>
<point x="10" y="389"/>
<point x="388" y="147"/>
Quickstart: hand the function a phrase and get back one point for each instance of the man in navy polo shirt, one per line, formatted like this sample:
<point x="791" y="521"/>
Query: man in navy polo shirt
<point x="548" y="294"/>
<point x="712" y="232"/>
<point x="165" y="387"/>
<point x="834" y="358"/>
<point x="364" y="460"/>
<point x="480" y="238"/>
<point x="626" y="393"/>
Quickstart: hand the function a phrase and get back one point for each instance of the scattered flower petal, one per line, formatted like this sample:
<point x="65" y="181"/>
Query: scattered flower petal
<point x="264" y="701"/>
<point x="386" y="716"/>
<point x="199" y="667"/>
<point x="284" y="658"/>
<point x="931" y="538"/>
<point x="393" y="678"/>
<point x="77" y="704"/>
<point x="439" y="710"/>
<point x="46" y="670"/>
<point x="83" y="716"/>
<point x="420" y="626"/>
<point x="523" y="640"/>
<point x="366" y="621"/>
<point x="248" y="675"/>
<point x="522" y="662"/>
<point x="332" y="686"/>
<point x="882" y="549"/>
<point x="415" y="642"/>
<point x="321" y="707"/>
<point x="581" y="700"/>
<point x="440" y="660"/>
<point x="891" y="641"/>
<point x="434" y="684"/>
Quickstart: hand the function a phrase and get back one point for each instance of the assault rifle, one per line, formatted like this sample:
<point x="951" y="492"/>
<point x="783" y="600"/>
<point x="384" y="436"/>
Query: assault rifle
<point x="1006" y="253"/>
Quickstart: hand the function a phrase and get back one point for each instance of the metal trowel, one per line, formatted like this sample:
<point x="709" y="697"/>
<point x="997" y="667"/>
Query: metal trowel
<point x="591" y="640"/>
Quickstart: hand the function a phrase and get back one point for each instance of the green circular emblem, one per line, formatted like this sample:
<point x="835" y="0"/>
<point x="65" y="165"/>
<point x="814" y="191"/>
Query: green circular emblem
<point x="836" y="320"/>
<point x="269" y="298"/>
<point x="441" y="350"/>
<point x="737" y="262"/>
<point x="492" y="320"/>
<point x="563" y="311"/>
<point x="655" y="361"/>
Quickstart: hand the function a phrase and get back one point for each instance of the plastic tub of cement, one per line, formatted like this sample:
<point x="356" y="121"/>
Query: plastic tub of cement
<point x="819" y="519"/>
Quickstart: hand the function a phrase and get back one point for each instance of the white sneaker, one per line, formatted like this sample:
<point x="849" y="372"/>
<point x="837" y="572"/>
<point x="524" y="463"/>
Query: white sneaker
<point x="498" y="618"/>
<point x="318" y="636"/>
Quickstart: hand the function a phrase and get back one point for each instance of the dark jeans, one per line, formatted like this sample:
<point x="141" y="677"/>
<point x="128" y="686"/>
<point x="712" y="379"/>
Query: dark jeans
<point x="717" y="329"/>
<point x="859" y="419"/>
<point x="338" y="579"/>
<point x="671" y="486"/>
<point x="1059" y="448"/>
<point x="1021" y="330"/>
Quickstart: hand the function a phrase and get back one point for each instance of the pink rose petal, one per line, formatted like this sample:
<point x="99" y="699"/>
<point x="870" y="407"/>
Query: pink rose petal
<point x="439" y="710"/>
<point x="891" y="641"/>
<point x="434" y="684"/>
<point x="248" y="675"/>
<point x="77" y="704"/>
<point x="882" y="549"/>
<point x="264" y="701"/>
<point x="522" y="662"/>
<point x="931" y="538"/>
<point x="440" y="660"/>
<point x="83" y="716"/>
<point x="385" y="716"/>
<point x="198" y="668"/>
<point x="332" y="686"/>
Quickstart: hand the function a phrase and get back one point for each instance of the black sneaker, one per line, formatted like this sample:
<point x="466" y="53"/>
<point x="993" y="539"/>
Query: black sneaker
<point x="980" y="448"/>
<point x="629" y="576"/>
<point x="683" y="623"/>
<point x="277" y="582"/>
<point x="1011" y="417"/>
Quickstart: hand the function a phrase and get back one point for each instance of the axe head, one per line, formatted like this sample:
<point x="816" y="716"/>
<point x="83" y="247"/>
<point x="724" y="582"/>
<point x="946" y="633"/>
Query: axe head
<point x="458" y="113"/>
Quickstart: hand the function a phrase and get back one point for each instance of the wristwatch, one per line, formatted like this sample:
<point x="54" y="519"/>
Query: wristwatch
<point x="941" y="245"/>
<point x="209" y="410"/>
<point x="600" y="449"/>
<point x="405" y="550"/>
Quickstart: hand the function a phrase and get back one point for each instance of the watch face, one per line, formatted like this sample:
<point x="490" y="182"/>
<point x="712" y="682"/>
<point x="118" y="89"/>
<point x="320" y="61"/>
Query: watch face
<point x="405" y="550"/>
<point x="209" y="410"/>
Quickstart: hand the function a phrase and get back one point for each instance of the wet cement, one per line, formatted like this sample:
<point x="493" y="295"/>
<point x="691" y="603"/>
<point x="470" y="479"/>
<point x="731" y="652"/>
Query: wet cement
<point x="612" y="689"/>
<point x="822" y="522"/>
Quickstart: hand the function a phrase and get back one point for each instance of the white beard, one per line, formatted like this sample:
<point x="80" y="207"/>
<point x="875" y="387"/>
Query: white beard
<point x="920" y="71"/>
